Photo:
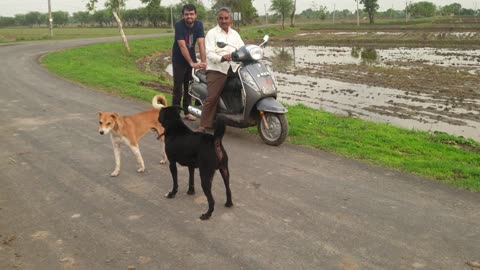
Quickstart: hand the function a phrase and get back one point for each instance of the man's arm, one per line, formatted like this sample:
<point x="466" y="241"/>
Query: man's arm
<point x="210" y="47"/>
<point x="186" y="54"/>
<point x="203" y="54"/>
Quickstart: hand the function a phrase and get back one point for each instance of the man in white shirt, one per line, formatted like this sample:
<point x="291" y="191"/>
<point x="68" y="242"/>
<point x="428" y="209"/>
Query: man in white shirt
<point x="219" y="64"/>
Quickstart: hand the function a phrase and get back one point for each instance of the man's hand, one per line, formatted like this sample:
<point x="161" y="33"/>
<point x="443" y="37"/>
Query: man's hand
<point x="198" y="65"/>
<point x="227" y="57"/>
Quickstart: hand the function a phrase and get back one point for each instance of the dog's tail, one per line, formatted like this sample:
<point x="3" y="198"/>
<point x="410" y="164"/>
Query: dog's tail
<point x="159" y="101"/>
<point x="219" y="128"/>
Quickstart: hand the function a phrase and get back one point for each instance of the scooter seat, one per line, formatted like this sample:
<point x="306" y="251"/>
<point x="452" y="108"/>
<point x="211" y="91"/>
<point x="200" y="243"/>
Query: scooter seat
<point x="202" y="75"/>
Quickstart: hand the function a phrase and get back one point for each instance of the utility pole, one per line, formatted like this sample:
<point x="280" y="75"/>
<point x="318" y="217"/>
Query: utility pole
<point x="171" y="17"/>
<point x="334" y="11"/>
<point x="406" y="11"/>
<point x="476" y="10"/>
<point x="266" y="14"/>
<point x="358" y="15"/>
<point x="50" y="20"/>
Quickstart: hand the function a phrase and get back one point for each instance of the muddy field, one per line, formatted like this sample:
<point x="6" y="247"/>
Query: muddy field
<point x="433" y="88"/>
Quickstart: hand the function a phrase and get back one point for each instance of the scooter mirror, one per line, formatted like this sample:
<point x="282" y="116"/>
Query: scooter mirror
<point x="265" y="38"/>
<point x="221" y="44"/>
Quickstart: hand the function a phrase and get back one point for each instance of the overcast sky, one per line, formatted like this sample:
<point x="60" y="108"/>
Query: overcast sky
<point x="9" y="8"/>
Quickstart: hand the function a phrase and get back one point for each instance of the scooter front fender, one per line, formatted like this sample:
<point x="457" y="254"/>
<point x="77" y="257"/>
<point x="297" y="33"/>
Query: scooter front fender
<point x="269" y="104"/>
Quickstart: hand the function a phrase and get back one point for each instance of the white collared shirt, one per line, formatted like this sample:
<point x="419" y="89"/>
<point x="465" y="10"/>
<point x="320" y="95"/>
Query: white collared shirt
<point x="215" y="53"/>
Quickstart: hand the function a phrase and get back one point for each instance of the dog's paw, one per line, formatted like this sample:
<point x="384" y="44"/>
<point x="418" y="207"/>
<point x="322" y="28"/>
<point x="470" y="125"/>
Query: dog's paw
<point x="228" y="204"/>
<point x="141" y="170"/>
<point x="191" y="191"/>
<point x="171" y="195"/>
<point x="114" y="173"/>
<point x="163" y="161"/>
<point x="205" y="216"/>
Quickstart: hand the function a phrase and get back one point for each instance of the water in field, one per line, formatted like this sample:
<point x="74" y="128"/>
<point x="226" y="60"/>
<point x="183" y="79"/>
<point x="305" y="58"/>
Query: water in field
<point x="298" y="71"/>
<point x="313" y="56"/>
<point x="406" y="109"/>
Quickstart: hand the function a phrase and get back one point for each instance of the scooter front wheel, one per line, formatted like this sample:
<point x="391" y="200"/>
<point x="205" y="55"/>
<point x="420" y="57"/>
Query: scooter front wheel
<point x="274" y="129"/>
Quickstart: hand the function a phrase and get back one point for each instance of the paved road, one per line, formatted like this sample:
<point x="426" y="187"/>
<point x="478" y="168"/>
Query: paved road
<point x="295" y="208"/>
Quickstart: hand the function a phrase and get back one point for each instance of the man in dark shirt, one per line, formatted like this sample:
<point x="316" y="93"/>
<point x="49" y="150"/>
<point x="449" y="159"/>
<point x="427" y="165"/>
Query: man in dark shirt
<point x="188" y="32"/>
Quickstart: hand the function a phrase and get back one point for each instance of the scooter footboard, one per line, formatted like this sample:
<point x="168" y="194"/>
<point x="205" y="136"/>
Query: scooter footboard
<point x="269" y="104"/>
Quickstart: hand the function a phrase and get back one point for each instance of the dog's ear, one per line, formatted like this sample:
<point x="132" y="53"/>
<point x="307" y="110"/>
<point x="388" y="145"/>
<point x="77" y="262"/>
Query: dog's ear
<point x="117" y="120"/>
<point x="100" y="113"/>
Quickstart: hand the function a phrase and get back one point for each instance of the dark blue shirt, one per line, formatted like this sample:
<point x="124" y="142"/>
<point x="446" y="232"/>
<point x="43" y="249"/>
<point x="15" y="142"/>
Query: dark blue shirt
<point x="190" y="35"/>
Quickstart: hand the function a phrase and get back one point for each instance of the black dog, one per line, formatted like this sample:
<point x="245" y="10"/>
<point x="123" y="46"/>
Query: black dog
<point x="195" y="150"/>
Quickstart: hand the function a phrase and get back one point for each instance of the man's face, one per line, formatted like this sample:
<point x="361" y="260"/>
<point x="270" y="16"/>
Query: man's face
<point x="189" y="16"/>
<point x="224" y="20"/>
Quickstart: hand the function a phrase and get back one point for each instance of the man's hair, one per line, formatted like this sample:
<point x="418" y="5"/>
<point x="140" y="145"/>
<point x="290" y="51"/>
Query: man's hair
<point x="188" y="7"/>
<point x="224" y="9"/>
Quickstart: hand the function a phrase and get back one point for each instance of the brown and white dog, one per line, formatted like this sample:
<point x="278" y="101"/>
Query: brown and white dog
<point x="129" y="129"/>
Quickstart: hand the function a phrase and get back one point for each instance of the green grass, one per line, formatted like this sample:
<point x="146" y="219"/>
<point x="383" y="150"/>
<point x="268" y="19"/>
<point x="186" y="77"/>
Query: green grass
<point x="18" y="34"/>
<point x="442" y="157"/>
<point x="108" y="66"/>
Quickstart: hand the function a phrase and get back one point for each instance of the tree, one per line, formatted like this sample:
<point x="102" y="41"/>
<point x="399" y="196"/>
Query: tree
<point x="136" y="17"/>
<point x="282" y="8"/>
<point x="111" y="5"/>
<point x="344" y="13"/>
<point x="292" y="15"/>
<point x="116" y="5"/>
<point x="392" y="13"/>
<point x="81" y="17"/>
<point x="7" y="21"/>
<point x="371" y="7"/>
<point x="20" y="19"/>
<point x="451" y="9"/>
<point x="318" y="12"/>
<point x="244" y="6"/>
<point x="60" y="18"/>
<point x="32" y="18"/>
<point x="44" y="18"/>
<point x="102" y="17"/>
<point x="467" y="12"/>
<point x="155" y="12"/>
<point x="422" y="9"/>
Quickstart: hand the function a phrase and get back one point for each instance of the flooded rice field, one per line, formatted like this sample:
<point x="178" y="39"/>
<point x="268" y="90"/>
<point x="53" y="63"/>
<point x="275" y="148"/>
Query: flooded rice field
<point x="430" y="89"/>
<point x="313" y="56"/>
<point x="434" y="89"/>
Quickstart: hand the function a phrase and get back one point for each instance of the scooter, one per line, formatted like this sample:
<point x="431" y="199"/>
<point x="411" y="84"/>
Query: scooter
<point x="248" y="99"/>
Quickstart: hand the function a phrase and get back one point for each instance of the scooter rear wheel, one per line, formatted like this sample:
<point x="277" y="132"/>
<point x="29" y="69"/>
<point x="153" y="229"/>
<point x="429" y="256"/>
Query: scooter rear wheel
<point x="277" y="130"/>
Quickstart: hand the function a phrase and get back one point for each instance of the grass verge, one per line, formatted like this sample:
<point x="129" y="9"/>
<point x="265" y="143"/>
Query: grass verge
<point x="446" y="158"/>
<point x="19" y="34"/>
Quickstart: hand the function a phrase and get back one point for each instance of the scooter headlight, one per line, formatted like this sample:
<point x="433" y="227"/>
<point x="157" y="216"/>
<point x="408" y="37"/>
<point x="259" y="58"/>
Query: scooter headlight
<point x="255" y="52"/>
<point x="248" y="79"/>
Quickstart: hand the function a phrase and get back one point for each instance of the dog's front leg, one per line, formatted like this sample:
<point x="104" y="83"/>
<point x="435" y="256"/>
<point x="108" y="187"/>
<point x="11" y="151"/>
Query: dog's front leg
<point x="164" y="155"/>
<point x="116" y="152"/>
<point x="138" y="156"/>
<point x="191" y="183"/>
<point x="173" y="171"/>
